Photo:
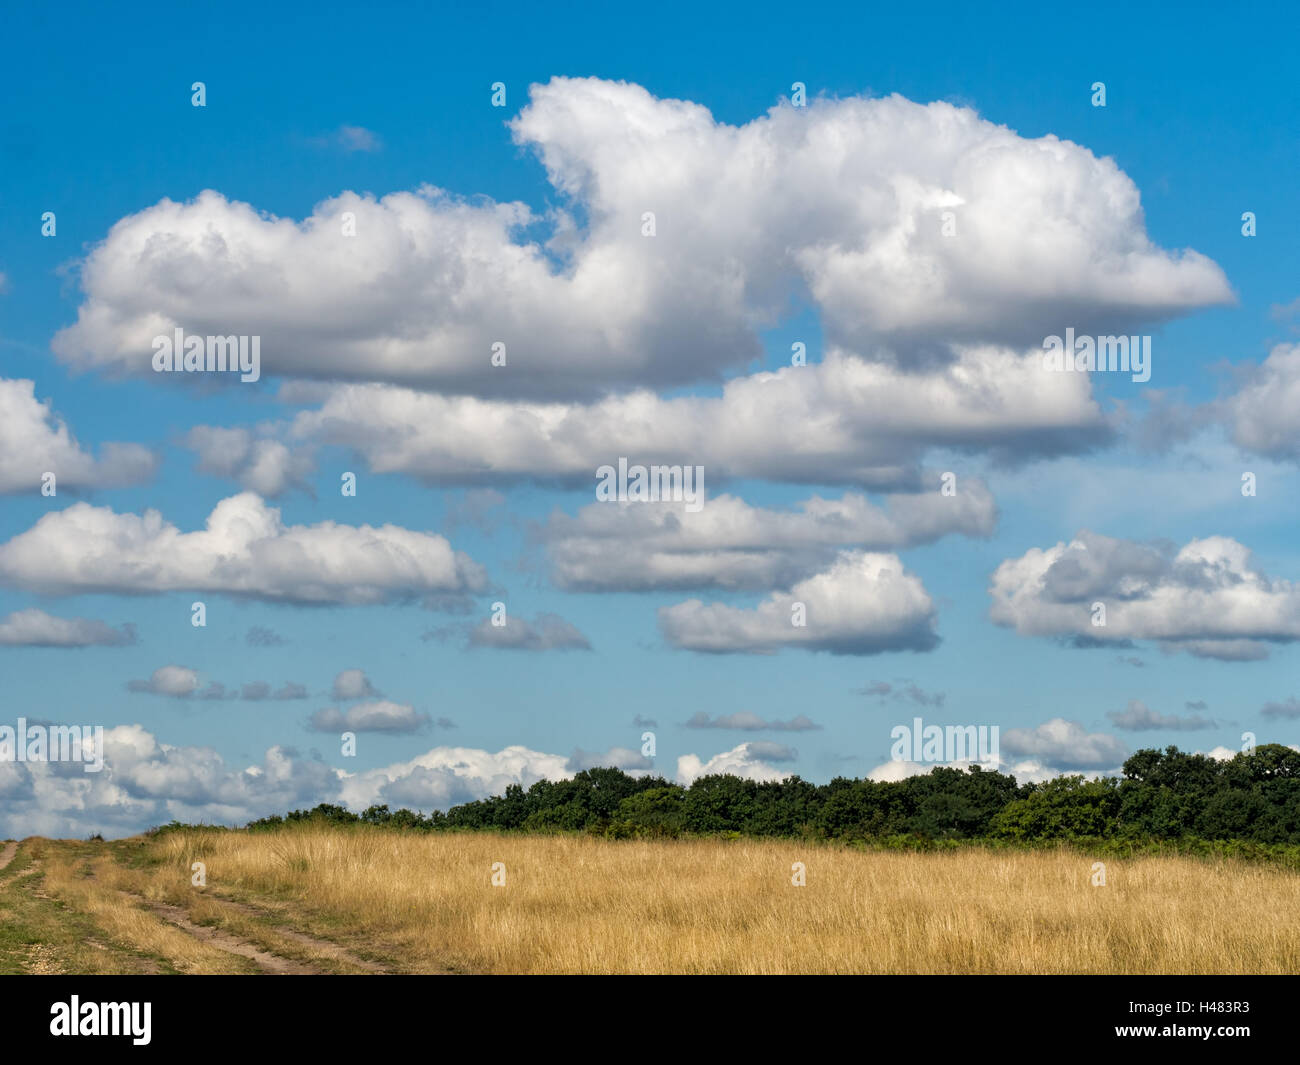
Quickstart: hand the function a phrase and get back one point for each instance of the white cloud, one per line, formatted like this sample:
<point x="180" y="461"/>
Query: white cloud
<point x="35" y="441"/>
<point x="146" y="783"/>
<point x="731" y="544"/>
<point x="265" y="466"/>
<point x="1066" y="746"/>
<point x="1262" y="413"/>
<point x="179" y="682"/>
<point x="864" y="604"/>
<point x="357" y="139"/>
<point x="353" y="684"/>
<point x="244" y="550"/>
<point x="841" y="421"/>
<point x="745" y="760"/>
<point x="445" y="776"/>
<point x="36" y="628"/>
<point x="546" y="632"/>
<point x="842" y="200"/>
<point x="1206" y="599"/>
<point x="378" y="716"/>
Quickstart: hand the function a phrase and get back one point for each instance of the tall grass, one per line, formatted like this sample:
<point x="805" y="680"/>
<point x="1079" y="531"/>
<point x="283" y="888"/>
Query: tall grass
<point x="572" y="904"/>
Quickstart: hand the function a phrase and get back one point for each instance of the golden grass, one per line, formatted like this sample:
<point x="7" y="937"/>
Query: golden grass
<point x="579" y="905"/>
<point x="124" y="921"/>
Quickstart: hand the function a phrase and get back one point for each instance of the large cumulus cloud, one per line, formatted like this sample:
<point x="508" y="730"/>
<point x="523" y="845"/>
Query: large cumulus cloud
<point x="245" y="549"/>
<point x="1206" y="598"/>
<point x="840" y="204"/>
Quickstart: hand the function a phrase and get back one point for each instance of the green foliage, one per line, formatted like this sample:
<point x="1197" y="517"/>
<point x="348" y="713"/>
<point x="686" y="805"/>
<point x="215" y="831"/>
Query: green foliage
<point x="1167" y="797"/>
<point x="1066" y="808"/>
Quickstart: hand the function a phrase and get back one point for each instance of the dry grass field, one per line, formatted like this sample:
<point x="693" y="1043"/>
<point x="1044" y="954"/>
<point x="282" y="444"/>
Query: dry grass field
<point x="329" y="900"/>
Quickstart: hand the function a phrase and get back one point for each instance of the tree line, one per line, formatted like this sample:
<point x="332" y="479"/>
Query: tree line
<point x="1161" y="795"/>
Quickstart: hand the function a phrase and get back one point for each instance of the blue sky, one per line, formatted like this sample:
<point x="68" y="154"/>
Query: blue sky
<point x="305" y="107"/>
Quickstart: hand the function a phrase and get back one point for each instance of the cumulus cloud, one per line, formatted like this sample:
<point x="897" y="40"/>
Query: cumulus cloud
<point x="353" y="684"/>
<point x="262" y="465"/>
<point x="1206" y="598"/>
<point x="1027" y="771"/>
<point x="146" y="782"/>
<point x="731" y="544"/>
<point x="748" y="760"/>
<point x="743" y="720"/>
<point x="1138" y="717"/>
<point x="36" y="628"/>
<point x="866" y="603"/>
<point x="181" y="682"/>
<point x="842" y="200"/>
<point x="445" y="776"/>
<point x="1065" y="745"/>
<point x="546" y="632"/>
<point x="35" y="441"/>
<point x="844" y="420"/>
<point x="177" y="682"/>
<point x="378" y="716"/>
<point x="1261" y="414"/>
<point x="245" y="550"/>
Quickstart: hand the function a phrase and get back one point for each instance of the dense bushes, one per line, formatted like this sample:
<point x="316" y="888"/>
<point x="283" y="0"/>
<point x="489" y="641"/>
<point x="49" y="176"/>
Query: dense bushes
<point x="1162" y="795"/>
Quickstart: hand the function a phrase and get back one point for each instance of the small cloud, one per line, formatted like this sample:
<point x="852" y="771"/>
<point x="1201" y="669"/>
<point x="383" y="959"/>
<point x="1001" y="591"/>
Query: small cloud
<point x="644" y="722"/>
<point x="349" y="139"/>
<point x="903" y="692"/>
<point x="745" y="721"/>
<point x="259" y="636"/>
<point x="616" y="757"/>
<point x="1138" y="717"/>
<point x="291" y="691"/>
<point x="177" y="682"/>
<point x="353" y="684"/>
<point x="35" y="628"/>
<point x="546" y="632"/>
<point x="358" y="139"/>
<point x="378" y="716"/>
<point x="1289" y="709"/>
<point x="1285" y="312"/>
